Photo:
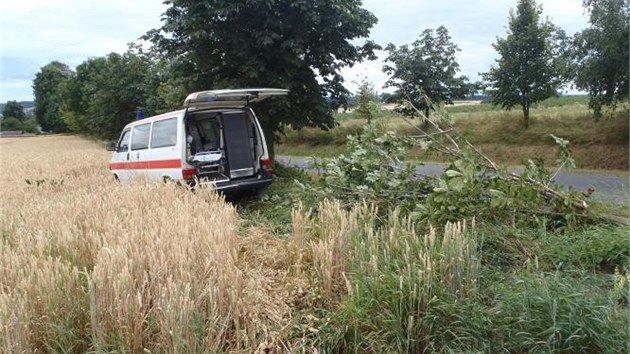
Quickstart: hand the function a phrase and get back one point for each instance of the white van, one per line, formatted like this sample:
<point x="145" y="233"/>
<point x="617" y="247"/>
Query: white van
<point x="215" y="139"/>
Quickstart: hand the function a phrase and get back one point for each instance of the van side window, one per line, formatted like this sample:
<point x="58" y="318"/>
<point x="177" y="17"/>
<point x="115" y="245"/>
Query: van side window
<point x="140" y="136"/>
<point x="123" y="142"/>
<point x="164" y="133"/>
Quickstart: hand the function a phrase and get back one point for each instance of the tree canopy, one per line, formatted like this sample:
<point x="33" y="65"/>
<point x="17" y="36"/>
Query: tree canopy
<point x="528" y="69"/>
<point x="601" y="53"/>
<point x="47" y="91"/>
<point x="425" y="71"/>
<point x="13" y="109"/>
<point x="300" y="45"/>
<point x="106" y="93"/>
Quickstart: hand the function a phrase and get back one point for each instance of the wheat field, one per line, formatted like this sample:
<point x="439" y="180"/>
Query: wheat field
<point x="88" y="264"/>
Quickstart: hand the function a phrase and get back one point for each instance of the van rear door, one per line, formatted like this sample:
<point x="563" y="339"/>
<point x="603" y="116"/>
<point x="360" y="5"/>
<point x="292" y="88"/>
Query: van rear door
<point x="239" y="152"/>
<point x="230" y="98"/>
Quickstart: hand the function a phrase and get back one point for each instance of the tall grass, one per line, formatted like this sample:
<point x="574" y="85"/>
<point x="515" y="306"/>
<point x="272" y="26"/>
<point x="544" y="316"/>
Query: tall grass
<point x="390" y="276"/>
<point x="555" y="313"/>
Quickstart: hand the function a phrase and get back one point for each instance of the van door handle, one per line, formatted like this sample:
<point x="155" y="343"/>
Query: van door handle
<point x="127" y="156"/>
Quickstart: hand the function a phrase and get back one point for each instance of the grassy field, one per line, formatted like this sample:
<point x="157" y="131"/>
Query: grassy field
<point x="90" y="265"/>
<point x="498" y="133"/>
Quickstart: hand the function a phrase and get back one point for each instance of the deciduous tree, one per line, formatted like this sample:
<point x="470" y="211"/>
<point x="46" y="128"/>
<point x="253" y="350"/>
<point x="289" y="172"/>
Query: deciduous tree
<point x="300" y="45"/>
<point x="601" y="54"/>
<point x="425" y="71"/>
<point x="47" y="92"/>
<point x="106" y="93"/>
<point x="527" y="69"/>
<point x="13" y="109"/>
<point x="366" y="101"/>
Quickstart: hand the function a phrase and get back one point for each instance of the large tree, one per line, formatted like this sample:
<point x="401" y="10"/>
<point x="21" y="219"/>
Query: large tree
<point x="300" y="45"/>
<point x="425" y="71"/>
<point x="528" y="69"/>
<point x="601" y="53"/>
<point x="107" y="92"/>
<point x="47" y="92"/>
<point x="13" y="109"/>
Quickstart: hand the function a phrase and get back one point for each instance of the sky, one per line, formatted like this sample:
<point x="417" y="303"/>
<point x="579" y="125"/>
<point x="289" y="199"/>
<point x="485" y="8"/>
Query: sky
<point x="36" y="32"/>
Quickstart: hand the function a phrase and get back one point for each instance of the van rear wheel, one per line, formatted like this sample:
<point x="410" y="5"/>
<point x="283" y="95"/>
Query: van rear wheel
<point x="261" y="192"/>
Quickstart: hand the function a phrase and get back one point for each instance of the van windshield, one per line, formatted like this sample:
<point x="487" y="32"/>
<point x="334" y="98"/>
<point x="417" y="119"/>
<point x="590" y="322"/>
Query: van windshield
<point x="123" y="142"/>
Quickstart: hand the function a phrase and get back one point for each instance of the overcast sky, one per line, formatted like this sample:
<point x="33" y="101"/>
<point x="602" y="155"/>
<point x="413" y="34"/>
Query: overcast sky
<point x="36" y="32"/>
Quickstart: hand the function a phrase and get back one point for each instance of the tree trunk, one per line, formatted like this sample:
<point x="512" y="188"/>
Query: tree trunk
<point x="269" y="132"/>
<point x="597" y="112"/>
<point x="425" y="123"/>
<point x="526" y="114"/>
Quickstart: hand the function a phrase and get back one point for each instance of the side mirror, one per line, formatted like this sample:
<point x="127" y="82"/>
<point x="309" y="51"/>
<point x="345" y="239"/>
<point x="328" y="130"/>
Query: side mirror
<point x="111" y="147"/>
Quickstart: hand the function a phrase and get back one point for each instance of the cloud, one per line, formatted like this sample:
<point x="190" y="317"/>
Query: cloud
<point x="36" y="32"/>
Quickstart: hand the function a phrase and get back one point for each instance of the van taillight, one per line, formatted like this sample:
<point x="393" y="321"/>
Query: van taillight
<point x="188" y="173"/>
<point x="266" y="167"/>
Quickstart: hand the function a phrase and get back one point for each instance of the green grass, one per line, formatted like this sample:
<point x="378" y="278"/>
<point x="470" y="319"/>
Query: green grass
<point x="572" y="122"/>
<point x="556" y="313"/>
<point x="564" y="101"/>
<point x="600" y="248"/>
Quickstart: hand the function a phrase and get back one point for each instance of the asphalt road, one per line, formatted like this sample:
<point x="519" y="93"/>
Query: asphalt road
<point x="610" y="188"/>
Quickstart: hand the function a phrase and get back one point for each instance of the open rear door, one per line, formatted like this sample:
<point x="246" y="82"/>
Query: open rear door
<point x="237" y="143"/>
<point x="230" y="98"/>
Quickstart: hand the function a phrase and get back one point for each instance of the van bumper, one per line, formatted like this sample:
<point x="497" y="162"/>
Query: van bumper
<point x="239" y="185"/>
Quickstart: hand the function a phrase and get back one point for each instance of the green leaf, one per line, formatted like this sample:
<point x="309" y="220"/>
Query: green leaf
<point x="457" y="183"/>
<point x="452" y="173"/>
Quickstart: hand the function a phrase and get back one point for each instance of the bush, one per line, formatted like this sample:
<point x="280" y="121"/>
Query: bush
<point x="11" y="123"/>
<point x="30" y="126"/>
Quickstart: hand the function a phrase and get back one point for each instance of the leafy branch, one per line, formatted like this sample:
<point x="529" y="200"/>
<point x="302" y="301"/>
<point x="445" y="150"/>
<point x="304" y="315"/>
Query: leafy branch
<point x="374" y="169"/>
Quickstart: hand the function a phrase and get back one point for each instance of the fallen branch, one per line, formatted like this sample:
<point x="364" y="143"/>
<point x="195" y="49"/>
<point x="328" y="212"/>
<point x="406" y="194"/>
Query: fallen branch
<point x="579" y="205"/>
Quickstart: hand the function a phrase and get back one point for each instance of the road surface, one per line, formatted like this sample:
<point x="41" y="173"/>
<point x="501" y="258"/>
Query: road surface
<point x="610" y="188"/>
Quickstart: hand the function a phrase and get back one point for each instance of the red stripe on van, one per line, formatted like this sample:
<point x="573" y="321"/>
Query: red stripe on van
<point x="146" y="165"/>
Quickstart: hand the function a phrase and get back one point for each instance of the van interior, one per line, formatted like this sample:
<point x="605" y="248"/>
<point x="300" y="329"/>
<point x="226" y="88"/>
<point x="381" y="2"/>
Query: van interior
<point x="223" y="145"/>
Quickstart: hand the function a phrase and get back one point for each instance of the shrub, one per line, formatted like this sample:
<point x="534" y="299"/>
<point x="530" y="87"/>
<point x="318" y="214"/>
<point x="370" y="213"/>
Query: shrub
<point x="30" y="126"/>
<point x="11" y="123"/>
